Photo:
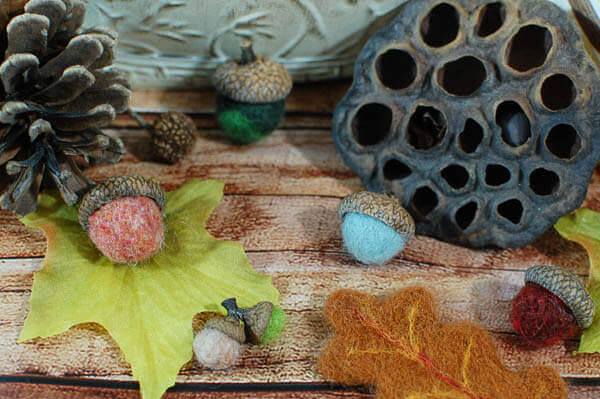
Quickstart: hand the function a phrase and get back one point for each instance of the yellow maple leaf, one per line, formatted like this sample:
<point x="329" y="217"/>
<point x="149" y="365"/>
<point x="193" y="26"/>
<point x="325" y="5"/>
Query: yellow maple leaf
<point x="147" y="308"/>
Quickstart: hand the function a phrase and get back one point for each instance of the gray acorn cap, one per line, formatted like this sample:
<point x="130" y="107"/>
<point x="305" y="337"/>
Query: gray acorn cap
<point x="119" y="187"/>
<point x="256" y="320"/>
<point x="253" y="79"/>
<point x="381" y="206"/>
<point x="229" y="326"/>
<point x="568" y="287"/>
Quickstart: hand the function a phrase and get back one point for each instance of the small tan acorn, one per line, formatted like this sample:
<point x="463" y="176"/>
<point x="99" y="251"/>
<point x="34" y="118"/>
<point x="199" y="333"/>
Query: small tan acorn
<point x="218" y="345"/>
<point x="263" y="323"/>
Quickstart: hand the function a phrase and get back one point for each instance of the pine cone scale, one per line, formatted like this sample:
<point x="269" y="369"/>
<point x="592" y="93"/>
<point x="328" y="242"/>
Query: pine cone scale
<point x="27" y="33"/>
<point x="60" y="88"/>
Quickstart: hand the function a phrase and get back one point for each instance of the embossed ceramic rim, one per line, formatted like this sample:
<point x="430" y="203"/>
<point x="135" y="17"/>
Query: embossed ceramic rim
<point x="568" y="287"/>
<point x="382" y="207"/>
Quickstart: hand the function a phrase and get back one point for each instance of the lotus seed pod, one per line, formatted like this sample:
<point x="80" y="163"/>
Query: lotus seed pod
<point x="218" y="345"/>
<point x="122" y="216"/>
<point x="251" y="95"/>
<point x="552" y="306"/>
<point x="480" y="117"/>
<point x="375" y="227"/>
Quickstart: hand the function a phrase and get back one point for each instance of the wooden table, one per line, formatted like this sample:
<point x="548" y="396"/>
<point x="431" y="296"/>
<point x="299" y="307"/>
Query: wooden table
<point x="281" y="204"/>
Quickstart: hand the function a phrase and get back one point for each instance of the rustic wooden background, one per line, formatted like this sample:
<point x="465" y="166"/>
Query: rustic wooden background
<point x="281" y="204"/>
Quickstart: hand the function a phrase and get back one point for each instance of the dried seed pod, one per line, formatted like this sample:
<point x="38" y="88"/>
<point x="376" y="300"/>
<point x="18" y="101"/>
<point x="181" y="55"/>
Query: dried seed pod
<point x="554" y="305"/>
<point x="122" y="216"/>
<point x="217" y="346"/>
<point x="58" y="89"/>
<point x="375" y="227"/>
<point x="251" y="95"/>
<point x="477" y="116"/>
<point x="172" y="136"/>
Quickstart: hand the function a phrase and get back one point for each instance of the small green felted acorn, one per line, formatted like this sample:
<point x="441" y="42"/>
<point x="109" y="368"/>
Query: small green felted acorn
<point x="251" y="95"/>
<point x="263" y="323"/>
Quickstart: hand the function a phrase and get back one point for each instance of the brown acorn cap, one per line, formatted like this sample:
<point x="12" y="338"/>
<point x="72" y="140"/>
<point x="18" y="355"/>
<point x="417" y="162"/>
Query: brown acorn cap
<point x="119" y="187"/>
<point x="381" y="206"/>
<point x="172" y="136"/>
<point x="256" y="320"/>
<point x="229" y="326"/>
<point x="568" y="287"/>
<point x="253" y="79"/>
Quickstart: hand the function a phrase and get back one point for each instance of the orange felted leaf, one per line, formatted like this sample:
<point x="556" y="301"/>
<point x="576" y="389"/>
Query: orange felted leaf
<point x="399" y="346"/>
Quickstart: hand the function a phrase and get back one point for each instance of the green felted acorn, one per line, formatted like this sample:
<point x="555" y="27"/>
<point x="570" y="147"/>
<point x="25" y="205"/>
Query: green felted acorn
<point x="251" y="95"/>
<point x="263" y="323"/>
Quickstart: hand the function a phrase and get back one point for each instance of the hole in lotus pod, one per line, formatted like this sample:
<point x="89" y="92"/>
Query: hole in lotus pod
<point x="511" y="210"/>
<point x="529" y="48"/>
<point x="563" y="141"/>
<point x="558" y="92"/>
<point x="496" y="175"/>
<point x="470" y="138"/>
<point x="396" y="69"/>
<point x="462" y="77"/>
<point x="395" y="170"/>
<point x="372" y="124"/>
<point x="491" y="19"/>
<point x="424" y="200"/>
<point x="426" y="128"/>
<point x="515" y="125"/>
<point x="543" y="181"/>
<point x="440" y="26"/>
<point x="465" y="215"/>
<point x="456" y="176"/>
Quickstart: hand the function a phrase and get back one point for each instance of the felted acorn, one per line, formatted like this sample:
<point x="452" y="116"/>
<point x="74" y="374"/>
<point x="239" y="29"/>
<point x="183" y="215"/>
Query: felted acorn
<point x="122" y="216"/>
<point x="375" y="227"/>
<point x="217" y="346"/>
<point x="552" y="306"/>
<point x="251" y="95"/>
<point x="263" y="323"/>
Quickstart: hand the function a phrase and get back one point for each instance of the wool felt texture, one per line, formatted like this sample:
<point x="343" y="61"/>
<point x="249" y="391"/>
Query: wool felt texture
<point x="246" y="123"/>
<point x="127" y="230"/>
<point x="399" y="346"/>
<point x="147" y="308"/>
<point x="275" y="327"/>
<point x="369" y="240"/>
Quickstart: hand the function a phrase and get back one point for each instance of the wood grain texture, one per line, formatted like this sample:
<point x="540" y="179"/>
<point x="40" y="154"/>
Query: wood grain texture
<point x="37" y="391"/>
<point x="281" y="204"/>
<point x="319" y="97"/>
<point x="305" y="281"/>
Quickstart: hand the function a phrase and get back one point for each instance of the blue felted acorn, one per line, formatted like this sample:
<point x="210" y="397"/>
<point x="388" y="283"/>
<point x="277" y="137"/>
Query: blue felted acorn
<point x="375" y="227"/>
<point x="251" y="95"/>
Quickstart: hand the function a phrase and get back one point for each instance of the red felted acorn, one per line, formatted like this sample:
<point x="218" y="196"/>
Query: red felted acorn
<point x="552" y="306"/>
<point x="122" y="216"/>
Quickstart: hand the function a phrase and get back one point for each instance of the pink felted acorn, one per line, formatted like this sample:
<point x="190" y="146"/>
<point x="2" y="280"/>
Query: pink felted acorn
<point x="122" y="216"/>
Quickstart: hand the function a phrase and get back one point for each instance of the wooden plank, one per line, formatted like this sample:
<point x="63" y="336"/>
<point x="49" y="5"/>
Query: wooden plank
<point x="307" y="223"/>
<point x="36" y="391"/>
<point x="208" y="121"/>
<point x="308" y="97"/>
<point x="54" y="391"/>
<point x="305" y="281"/>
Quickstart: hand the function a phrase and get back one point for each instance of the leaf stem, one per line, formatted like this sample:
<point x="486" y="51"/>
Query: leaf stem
<point x="417" y="356"/>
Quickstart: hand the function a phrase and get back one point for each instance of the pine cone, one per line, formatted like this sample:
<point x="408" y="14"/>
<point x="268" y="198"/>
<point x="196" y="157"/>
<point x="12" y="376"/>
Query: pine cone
<point x="58" y="89"/>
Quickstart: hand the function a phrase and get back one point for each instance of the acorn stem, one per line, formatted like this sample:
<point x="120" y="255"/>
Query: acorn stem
<point x="137" y="117"/>
<point x="233" y="309"/>
<point x="248" y="55"/>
